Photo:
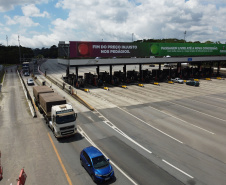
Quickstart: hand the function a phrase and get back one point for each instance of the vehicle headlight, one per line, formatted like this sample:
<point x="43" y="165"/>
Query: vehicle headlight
<point x="96" y="174"/>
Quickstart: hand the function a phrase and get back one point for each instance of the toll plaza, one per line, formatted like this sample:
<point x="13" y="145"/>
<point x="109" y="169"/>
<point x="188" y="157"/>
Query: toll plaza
<point x="167" y="68"/>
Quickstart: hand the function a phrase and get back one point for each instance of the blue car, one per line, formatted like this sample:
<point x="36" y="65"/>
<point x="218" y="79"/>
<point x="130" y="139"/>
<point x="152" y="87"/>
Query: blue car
<point x="192" y="83"/>
<point x="96" y="164"/>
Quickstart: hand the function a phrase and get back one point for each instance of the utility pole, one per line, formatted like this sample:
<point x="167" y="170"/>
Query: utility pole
<point x="184" y="35"/>
<point x="19" y="48"/>
<point x="7" y="40"/>
<point x="132" y="37"/>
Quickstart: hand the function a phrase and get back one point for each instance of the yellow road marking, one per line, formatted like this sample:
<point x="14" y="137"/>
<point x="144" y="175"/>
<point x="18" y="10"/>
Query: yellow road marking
<point x="61" y="163"/>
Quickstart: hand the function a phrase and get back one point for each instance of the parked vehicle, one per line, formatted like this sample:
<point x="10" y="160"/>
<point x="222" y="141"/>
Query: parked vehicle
<point x="59" y="115"/>
<point x="30" y="81"/>
<point x="96" y="164"/>
<point x="192" y="83"/>
<point x="178" y="80"/>
<point x="152" y="65"/>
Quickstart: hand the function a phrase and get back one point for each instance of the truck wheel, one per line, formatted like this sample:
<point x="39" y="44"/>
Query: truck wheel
<point x="54" y="133"/>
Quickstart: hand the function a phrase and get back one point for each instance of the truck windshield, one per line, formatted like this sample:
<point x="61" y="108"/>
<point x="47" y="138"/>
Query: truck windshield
<point x="65" y="118"/>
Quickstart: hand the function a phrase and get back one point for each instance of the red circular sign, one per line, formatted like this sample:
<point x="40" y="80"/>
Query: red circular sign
<point x="83" y="49"/>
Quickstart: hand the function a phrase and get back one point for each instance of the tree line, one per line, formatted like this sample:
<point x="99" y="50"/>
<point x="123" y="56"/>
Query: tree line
<point x="17" y="55"/>
<point x="174" y="40"/>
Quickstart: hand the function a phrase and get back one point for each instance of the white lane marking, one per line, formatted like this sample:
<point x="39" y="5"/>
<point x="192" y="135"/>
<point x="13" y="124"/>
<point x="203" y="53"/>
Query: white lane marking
<point x="110" y="124"/>
<point x="90" y="118"/>
<point x="207" y="104"/>
<point x="80" y="130"/>
<point x="177" y="169"/>
<point x="215" y="98"/>
<point x="198" y="111"/>
<point x="182" y="120"/>
<point x="151" y="126"/>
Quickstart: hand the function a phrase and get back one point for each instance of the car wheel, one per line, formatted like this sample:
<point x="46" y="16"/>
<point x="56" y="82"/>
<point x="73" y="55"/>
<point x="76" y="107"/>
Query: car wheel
<point x="93" y="178"/>
<point x="81" y="162"/>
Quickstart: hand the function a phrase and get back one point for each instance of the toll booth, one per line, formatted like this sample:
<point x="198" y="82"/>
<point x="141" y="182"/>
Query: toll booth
<point x="146" y="76"/>
<point x="132" y="76"/>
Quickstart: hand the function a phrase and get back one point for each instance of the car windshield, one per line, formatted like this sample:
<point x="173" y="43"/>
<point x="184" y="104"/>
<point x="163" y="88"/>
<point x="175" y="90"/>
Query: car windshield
<point x="65" y="119"/>
<point x="100" y="162"/>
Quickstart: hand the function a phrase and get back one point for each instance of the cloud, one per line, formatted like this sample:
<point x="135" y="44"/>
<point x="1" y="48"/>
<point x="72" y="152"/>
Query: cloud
<point x="32" y="11"/>
<point x="6" y="5"/>
<point x="94" y="20"/>
<point x="21" y="20"/>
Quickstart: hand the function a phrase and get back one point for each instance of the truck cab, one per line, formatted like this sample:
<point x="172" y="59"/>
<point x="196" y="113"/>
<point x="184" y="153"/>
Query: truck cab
<point x="63" y="120"/>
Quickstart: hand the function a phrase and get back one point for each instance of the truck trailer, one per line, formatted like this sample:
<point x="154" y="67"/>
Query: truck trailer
<point x="59" y="115"/>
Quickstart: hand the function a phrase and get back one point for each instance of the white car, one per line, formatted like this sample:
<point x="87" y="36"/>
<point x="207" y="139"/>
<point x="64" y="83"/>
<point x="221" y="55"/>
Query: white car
<point x="30" y="81"/>
<point x="178" y="80"/>
<point x="26" y="74"/>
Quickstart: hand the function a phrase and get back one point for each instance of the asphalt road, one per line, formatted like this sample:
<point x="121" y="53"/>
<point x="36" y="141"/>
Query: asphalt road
<point x="167" y="134"/>
<point x="23" y="140"/>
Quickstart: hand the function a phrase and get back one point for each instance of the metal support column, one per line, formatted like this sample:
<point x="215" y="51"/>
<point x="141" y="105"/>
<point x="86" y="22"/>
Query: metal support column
<point x="199" y="68"/>
<point x="218" y="68"/>
<point x="98" y="72"/>
<point x="210" y="69"/>
<point x="141" y="73"/>
<point x="111" y="74"/>
<point x="76" y="72"/>
<point x="124" y="71"/>
<point x="170" y="72"/>
<point x="157" y="77"/>
<point x="178" y="69"/>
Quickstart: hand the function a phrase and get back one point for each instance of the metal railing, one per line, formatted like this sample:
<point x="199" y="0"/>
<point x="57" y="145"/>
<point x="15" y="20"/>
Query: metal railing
<point x="28" y="95"/>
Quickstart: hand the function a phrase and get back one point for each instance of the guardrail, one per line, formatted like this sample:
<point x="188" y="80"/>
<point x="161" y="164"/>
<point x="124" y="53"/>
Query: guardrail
<point x="27" y="94"/>
<point x="2" y="72"/>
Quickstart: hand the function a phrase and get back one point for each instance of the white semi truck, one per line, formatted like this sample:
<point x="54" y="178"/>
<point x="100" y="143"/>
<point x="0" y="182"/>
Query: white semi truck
<point x="59" y="115"/>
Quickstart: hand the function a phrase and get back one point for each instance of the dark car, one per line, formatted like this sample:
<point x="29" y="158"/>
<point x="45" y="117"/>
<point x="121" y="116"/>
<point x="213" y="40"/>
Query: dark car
<point x="96" y="164"/>
<point x="193" y="83"/>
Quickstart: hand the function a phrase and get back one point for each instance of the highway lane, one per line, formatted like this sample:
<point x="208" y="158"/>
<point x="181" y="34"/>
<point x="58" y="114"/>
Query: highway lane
<point x="184" y="155"/>
<point x="69" y="148"/>
<point x="23" y="140"/>
<point x="139" y="164"/>
<point x="138" y="167"/>
<point x="140" y="182"/>
<point x="166" y="94"/>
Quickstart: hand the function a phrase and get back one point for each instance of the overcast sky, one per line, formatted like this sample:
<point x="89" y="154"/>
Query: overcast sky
<point x="43" y="23"/>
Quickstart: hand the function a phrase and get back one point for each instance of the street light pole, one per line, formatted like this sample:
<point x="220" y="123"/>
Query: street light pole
<point x="184" y="35"/>
<point x="7" y="40"/>
<point x="19" y="48"/>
